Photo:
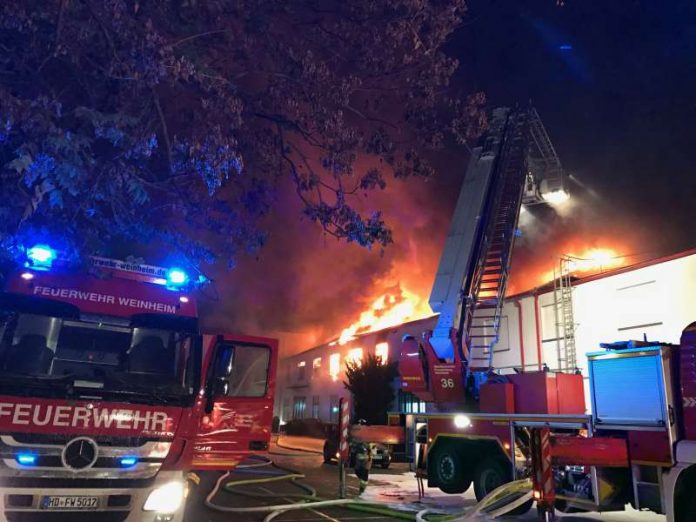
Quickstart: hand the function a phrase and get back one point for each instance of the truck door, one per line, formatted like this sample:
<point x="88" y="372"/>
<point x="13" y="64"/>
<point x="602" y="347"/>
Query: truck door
<point x="238" y="401"/>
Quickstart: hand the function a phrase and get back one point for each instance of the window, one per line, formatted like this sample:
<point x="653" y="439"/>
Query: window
<point x="382" y="351"/>
<point x="147" y="361"/>
<point x="334" y="365"/>
<point x="333" y="408"/>
<point x="355" y="356"/>
<point x="286" y="410"/>
<point x="298" y="409"/>
<point x="249" y="371"/>
<point x="245" y="367"/>
<point x="301" y="371"/>
<point x="316" y="365"/>
<point x="315" y="407"/>
<point x="409" y="403"/>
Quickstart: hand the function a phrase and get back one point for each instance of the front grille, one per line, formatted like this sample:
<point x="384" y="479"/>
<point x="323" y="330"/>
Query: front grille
<point x="118" y="500"/>
<point x="62" y="440"/>
<point x="49" y="451"/>
<point x="39" y="482"/>
<point x="66" y="516"/>
<point x="18" y="501"/>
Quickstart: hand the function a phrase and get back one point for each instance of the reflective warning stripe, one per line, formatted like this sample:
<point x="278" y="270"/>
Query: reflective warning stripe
<point x="344" y="424"/>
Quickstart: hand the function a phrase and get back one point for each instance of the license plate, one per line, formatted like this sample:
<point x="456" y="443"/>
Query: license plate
<point x="71" y="502"/>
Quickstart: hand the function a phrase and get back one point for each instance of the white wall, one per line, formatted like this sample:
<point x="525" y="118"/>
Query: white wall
<point x="658" y="300"/>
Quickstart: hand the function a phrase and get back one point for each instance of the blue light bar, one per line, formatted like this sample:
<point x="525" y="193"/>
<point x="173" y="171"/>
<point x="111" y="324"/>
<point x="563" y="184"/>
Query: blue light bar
<point x="26" y="459"/>
<point x="176" y="277"/>
<point x="565" y="47"/>
<point x="128" y="462"/>
<point x="41" y="255"/>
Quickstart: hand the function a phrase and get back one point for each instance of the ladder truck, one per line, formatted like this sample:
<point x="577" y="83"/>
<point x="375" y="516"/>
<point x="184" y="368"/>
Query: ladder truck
<point x="638" y="444"/>
<point x="110" y="394"/>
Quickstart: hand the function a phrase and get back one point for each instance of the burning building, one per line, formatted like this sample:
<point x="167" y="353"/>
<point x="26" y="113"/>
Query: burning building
<point x="654" y="299"/>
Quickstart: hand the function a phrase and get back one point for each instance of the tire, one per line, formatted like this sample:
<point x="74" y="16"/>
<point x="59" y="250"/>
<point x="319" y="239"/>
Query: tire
<point x="385" y="464"/>
<point x="492" y="473"/>
<point x="687" y="510"/>
<point x="448" y="471"/>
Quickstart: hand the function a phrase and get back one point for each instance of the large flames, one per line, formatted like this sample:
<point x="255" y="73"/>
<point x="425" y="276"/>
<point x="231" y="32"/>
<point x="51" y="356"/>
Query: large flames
<point x="397" y="305"/>
<point x="582" y="259"/>
<point x="590" y="261"/>
<point x="394" y="307"/>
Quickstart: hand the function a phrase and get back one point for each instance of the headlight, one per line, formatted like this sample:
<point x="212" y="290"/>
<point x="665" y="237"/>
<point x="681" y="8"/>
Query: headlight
<point x="165" y="499"/>
<point x="462" y="421"/>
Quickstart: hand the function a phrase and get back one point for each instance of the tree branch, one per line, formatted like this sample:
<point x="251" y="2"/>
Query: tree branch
<point x="163" y="121"/>
<point x="199" y="35"/>
<point x="59" y="27"/>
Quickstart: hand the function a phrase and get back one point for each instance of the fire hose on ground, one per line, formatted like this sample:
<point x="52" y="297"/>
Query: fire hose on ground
<point x="496" y="504"/>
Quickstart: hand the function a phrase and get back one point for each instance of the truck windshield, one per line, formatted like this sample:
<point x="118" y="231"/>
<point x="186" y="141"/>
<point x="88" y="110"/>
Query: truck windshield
<point x="97" y="359"/>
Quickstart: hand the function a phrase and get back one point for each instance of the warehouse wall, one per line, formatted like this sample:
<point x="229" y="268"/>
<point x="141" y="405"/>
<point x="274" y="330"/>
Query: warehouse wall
<point x="658" y="300"/>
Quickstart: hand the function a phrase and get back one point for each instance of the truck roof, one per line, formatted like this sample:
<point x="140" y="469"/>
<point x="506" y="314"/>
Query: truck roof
<point x="110" y="295"/>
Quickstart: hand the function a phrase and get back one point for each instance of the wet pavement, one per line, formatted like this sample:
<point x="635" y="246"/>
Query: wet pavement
<point x="395" y="486"/>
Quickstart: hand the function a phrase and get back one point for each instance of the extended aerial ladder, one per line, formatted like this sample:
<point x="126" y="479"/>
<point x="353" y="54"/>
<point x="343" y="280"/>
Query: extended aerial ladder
<point x="515" y="161"/>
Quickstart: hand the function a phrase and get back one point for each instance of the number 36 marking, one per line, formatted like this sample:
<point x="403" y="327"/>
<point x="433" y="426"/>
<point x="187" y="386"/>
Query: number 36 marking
<point x="447" y="383"/>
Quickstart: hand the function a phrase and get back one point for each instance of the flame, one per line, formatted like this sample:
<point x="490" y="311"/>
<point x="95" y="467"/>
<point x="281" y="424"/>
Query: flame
<point x="389" y="309"/>
<point x="589" y="261"/>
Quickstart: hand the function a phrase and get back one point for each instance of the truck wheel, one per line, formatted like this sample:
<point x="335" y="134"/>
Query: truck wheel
<point x="687" y="510"/>
<point x="492" y="473"/>
<point x="449" y="471"/>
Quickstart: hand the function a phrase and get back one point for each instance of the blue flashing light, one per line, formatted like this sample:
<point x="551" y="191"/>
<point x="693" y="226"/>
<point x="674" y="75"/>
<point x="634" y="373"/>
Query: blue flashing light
<point x="177" y="277"/>
<point x="128" y="462"/>
<point x="26" y="459"/>
<point x="565" y="47"/>
<point x="41" y="255"/>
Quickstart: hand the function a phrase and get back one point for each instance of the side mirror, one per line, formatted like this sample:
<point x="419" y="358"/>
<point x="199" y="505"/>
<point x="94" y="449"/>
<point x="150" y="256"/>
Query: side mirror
<point x="217" y="387"/>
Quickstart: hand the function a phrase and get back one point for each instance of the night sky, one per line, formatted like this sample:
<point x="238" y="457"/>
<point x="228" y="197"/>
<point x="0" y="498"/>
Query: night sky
<point x="615" y="83"/>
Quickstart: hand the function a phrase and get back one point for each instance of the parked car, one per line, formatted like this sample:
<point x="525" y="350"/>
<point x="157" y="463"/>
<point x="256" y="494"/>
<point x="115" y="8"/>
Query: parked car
<point x="381" y="454"/>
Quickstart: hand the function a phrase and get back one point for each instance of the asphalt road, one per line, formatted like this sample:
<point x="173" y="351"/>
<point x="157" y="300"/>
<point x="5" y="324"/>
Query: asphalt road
<point x="322" y="477"/>
<point x="393" y="486"/>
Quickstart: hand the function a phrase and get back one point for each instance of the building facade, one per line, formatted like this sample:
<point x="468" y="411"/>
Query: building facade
<point x="654" y="300"/>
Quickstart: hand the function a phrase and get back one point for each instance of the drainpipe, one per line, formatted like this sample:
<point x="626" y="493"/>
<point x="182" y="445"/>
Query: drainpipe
<point x="536" y="323"/>
<point x="519" y="316"/>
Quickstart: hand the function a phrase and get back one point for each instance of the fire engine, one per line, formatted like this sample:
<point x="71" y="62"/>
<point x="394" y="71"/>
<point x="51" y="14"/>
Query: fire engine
<point x="110" y="394"/>
<point x="638" y="445"/>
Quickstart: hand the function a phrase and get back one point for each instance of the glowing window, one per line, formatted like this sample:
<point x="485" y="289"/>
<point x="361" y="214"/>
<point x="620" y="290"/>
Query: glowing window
<point x="355" y="355"/>
<point x="316" y="364"/>
<point x="382" y="352"/>
<point x="301" y="371"/>
<point x="334" y="365"/>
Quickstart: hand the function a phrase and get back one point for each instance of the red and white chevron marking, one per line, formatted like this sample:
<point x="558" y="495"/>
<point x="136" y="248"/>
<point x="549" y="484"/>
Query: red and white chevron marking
<point x="546" y="464"/>
<point x="344" y="425"/>
<point x="543" y="472"/>
<point x="690" y="402"/>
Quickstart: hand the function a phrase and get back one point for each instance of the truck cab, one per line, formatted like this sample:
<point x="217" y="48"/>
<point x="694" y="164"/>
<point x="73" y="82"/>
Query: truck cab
<point x="110" y="394"/>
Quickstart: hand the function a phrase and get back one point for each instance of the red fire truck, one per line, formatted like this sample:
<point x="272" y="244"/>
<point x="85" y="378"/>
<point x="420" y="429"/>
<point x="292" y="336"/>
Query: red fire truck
<point x="109" y="393"/>
<point x="638" y="446"/>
